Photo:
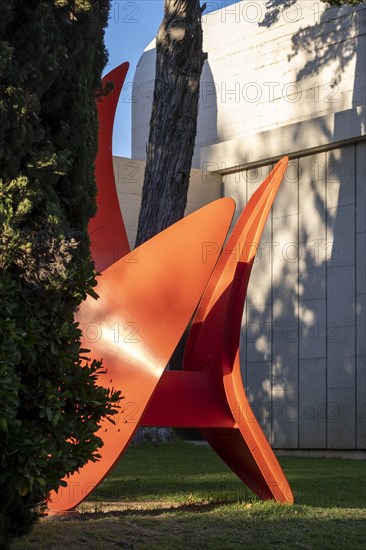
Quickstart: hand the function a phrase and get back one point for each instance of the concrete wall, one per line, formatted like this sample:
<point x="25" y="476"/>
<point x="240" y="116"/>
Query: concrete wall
<point x="303" y="331"/>
<point x="282" y="78"/>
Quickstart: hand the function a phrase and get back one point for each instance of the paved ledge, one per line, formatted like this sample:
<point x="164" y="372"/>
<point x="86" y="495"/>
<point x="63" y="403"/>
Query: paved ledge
<point x="319" y="453"/>
<point x="294" y="139"/>
<point x="311" y="453"/>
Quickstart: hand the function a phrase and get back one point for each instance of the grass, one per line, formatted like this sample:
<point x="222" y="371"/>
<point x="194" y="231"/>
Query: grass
<point x="181" y="496"/>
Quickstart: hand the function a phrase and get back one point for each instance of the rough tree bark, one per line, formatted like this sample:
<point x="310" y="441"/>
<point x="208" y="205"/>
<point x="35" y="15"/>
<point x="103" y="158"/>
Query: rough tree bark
<point x="173" y="121"/>
<point x="173" y="126"/>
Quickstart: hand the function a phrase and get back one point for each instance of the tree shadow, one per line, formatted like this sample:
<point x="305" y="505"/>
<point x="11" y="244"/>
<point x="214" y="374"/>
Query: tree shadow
<point x="300" y="325"/>
<point x="323" y="48"/>
<point x="148" y="511"/>
<point x="274" y="9"/>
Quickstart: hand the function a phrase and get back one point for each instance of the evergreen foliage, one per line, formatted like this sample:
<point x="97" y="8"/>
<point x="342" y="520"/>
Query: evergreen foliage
<point x="51" y="58"/>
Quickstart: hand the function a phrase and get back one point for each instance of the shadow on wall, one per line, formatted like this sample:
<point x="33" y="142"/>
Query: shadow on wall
<point x="300" y="326"/>
<point x="323" y="49"/>
<point x="303" y="347"/>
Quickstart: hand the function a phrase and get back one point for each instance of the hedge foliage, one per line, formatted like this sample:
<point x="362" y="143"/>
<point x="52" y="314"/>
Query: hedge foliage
<point x="51" y="57"/>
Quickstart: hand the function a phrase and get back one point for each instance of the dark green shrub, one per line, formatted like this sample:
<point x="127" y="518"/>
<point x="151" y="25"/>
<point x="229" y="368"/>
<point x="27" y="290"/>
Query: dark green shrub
<point x="51" y="58"/>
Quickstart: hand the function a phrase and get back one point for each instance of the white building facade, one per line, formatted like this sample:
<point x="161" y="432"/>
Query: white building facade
<point x="289" y="78"/>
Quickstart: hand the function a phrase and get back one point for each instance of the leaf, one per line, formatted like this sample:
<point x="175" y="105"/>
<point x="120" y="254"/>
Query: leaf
<point x="3" y="425"/>
<point x="41" y="481"/>
<point x="54" y="348"/>
<point x="64" y="328"/>
<point x="22" y="487"/>
<point x="55" y="419"/>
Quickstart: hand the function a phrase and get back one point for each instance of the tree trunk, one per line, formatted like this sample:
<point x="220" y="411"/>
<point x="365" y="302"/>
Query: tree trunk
<point x="173" y="123"/>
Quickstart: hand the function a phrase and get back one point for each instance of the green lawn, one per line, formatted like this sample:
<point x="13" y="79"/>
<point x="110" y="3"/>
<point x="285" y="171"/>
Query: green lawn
<point x="181" y="496"/>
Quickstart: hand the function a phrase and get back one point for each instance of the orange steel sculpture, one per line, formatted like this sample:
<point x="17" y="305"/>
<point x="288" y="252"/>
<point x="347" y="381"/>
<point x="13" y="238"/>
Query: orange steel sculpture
<point x="147" y="299"/>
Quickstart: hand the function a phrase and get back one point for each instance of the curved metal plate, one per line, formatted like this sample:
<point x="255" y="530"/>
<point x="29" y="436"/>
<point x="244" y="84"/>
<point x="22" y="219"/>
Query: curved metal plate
<point x="213" y="345"/>
<point x="146" y="302"/>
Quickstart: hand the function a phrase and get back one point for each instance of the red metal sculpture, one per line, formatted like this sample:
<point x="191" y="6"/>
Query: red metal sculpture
<point x="147" y="299"/>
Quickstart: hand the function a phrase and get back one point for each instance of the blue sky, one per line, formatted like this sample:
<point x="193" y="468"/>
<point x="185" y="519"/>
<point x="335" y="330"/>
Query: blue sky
<point x="132" y="25"/>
